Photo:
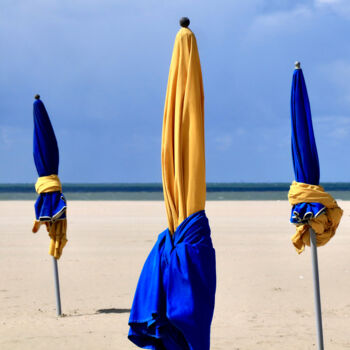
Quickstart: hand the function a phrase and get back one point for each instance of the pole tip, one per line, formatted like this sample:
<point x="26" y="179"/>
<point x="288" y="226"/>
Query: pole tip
<point x="184" y="22"/>
<point x="37" y="96"/>
<point x="297" y="65"/>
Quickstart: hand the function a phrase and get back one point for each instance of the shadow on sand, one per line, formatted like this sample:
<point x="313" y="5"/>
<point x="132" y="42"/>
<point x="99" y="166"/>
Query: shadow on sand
<point x="113" y="311"/>
<point x="98" y="312"/>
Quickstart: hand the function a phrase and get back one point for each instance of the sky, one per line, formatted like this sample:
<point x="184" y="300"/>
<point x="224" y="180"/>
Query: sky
<point x="101" y="68"/>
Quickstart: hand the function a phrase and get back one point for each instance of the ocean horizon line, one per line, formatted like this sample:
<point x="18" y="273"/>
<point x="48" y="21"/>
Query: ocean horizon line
<point x="158" y="186"/>
<point x="154" y="191"/>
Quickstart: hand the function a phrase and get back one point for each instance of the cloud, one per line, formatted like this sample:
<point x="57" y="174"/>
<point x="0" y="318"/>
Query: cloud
<point x="339" y="133"/>
<point x="326" y="2"/>
<point x="335" y="128"/>
<point x="336" y="77"/>
<point x="223" y="142"/>
<point x="10" y="136"/>
<point x="339" y="72"/>
<point x="281" y="19"/>
<point x="338" y="7"/>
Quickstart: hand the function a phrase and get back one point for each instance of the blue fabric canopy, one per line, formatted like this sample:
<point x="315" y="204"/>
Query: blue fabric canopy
<point x="49" y="206"/>
<point x="45" y="150"/>
<point x="304" y="151"/>
<point x="174" y="300"/>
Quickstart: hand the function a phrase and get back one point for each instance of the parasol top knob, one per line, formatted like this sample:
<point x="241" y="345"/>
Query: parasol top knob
<point x="184" y="22"/>
<point x="297" y="65"/>
<point x="37" y="96"/>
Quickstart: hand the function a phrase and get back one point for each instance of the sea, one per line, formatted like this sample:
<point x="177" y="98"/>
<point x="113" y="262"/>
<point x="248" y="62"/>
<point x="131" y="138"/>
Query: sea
<point x="154" y="191"/>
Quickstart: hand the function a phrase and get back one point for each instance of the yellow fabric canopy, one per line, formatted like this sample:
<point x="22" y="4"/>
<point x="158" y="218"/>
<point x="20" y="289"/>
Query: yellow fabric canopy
<point x="324" y="225"/>
<point x="183" y="150"/>
<point x="57" y="229"/>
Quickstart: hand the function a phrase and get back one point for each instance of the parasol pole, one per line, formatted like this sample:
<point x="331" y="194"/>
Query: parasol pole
<point x="315" y="275"/>
<point x="317" y="296"/>
<point x="57" y="286"/>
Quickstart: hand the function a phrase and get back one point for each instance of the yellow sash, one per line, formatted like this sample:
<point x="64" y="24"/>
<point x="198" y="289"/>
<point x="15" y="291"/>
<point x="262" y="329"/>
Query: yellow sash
<point x="57" y="230"/>
<point x="47" y="184"/>
<point x="324" y="225"/>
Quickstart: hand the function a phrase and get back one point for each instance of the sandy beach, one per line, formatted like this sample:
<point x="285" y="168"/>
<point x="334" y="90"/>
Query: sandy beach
<point x="264" y="294"/>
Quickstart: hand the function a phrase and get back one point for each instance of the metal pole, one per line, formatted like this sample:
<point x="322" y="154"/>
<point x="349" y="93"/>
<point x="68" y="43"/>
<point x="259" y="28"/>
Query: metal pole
<point x="57" y="287"/>
<point x="313" y="246"/>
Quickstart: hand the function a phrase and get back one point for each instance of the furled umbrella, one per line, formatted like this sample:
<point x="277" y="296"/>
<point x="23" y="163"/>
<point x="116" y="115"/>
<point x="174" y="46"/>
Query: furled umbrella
<point x="50" y="207"/>
<point x="174" y="300"/>
<point x="314" y="212"/>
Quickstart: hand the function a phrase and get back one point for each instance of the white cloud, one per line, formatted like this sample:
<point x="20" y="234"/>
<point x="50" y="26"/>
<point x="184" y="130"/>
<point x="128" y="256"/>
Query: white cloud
<point x="339" y="7"/>
<point x="339" y="71"/>
<point x="240" y="131"/>
<point x="223" y="142"/>
<point x="337" y="75"/>
<point x="276" y="19"/>
<point x="12" y="138"/>
<point x="335" y="127"/>
<point x="334" y="119"/>
<point x="281" y="23"/>
<point x="339" y="133"/>
<point x="290" y="19"/>
<point x="8" y="136"/>
<point x="324" y="2"/>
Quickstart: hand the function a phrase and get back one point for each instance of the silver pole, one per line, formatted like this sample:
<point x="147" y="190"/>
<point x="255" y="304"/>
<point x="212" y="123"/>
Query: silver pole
<point x="313" y="246"/>
<point x="57" y="287"/>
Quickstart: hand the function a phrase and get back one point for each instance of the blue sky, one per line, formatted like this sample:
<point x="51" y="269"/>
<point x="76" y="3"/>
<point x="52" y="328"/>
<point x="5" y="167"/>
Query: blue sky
<point x="101" y="67"/>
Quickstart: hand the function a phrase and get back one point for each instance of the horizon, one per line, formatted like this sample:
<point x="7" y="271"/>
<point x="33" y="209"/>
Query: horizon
<point x="154" y="191"/>
<point x="161" y="184"/>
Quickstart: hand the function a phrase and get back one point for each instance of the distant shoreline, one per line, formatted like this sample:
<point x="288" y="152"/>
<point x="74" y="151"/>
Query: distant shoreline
<point x="154" y="191"/>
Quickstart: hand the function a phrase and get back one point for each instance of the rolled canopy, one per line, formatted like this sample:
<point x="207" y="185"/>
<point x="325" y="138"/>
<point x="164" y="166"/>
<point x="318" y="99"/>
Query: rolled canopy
<point x="311" y="205"/>
<point x="50" y="206"/>
<point x="183" y="150"/>
<point x="304" y="152"/>
<point x="174" y="300"/>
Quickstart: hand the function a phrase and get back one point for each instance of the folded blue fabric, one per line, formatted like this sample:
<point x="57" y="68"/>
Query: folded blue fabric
<point x="50" y="206"/>
<point x="303" y="212"/>
<point x="174" y="299"/>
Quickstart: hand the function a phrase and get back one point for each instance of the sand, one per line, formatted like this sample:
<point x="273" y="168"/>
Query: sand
<point x="264" y="295"/>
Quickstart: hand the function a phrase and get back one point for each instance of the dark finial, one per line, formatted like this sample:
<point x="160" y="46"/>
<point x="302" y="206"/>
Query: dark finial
<point x="184" y="22"/>
<point x="37" y="96"/>
<point x="297" y="65"/>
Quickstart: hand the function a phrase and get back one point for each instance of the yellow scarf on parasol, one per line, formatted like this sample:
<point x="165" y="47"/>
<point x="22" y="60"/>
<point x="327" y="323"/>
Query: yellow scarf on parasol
<point x="324" y="225"/>
<point x="183" y="150"/>
<point x="57" y="229"/>
<point x="50" y="183"/>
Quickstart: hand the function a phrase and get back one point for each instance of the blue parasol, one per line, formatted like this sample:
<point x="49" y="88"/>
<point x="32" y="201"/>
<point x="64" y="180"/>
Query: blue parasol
<point x="50" y="207"/>
<point x="174" y="300"/>
<point x="307" y="170"/>
<point x="304" y="151"/>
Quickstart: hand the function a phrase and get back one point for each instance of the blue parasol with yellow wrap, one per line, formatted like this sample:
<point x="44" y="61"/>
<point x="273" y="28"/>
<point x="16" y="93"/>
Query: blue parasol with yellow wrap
<point x="314" y="212"/>
<point x="174" y="300"/>
<point x="50" y="207"/>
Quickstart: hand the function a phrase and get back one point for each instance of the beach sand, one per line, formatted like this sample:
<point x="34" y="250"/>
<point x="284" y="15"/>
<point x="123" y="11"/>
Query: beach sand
<point x="264" y="294"/>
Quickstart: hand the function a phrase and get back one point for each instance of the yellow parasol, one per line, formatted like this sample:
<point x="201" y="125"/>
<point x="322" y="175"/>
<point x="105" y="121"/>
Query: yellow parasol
<point x="174" y="300"/>
<point x="183" y="152"/>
